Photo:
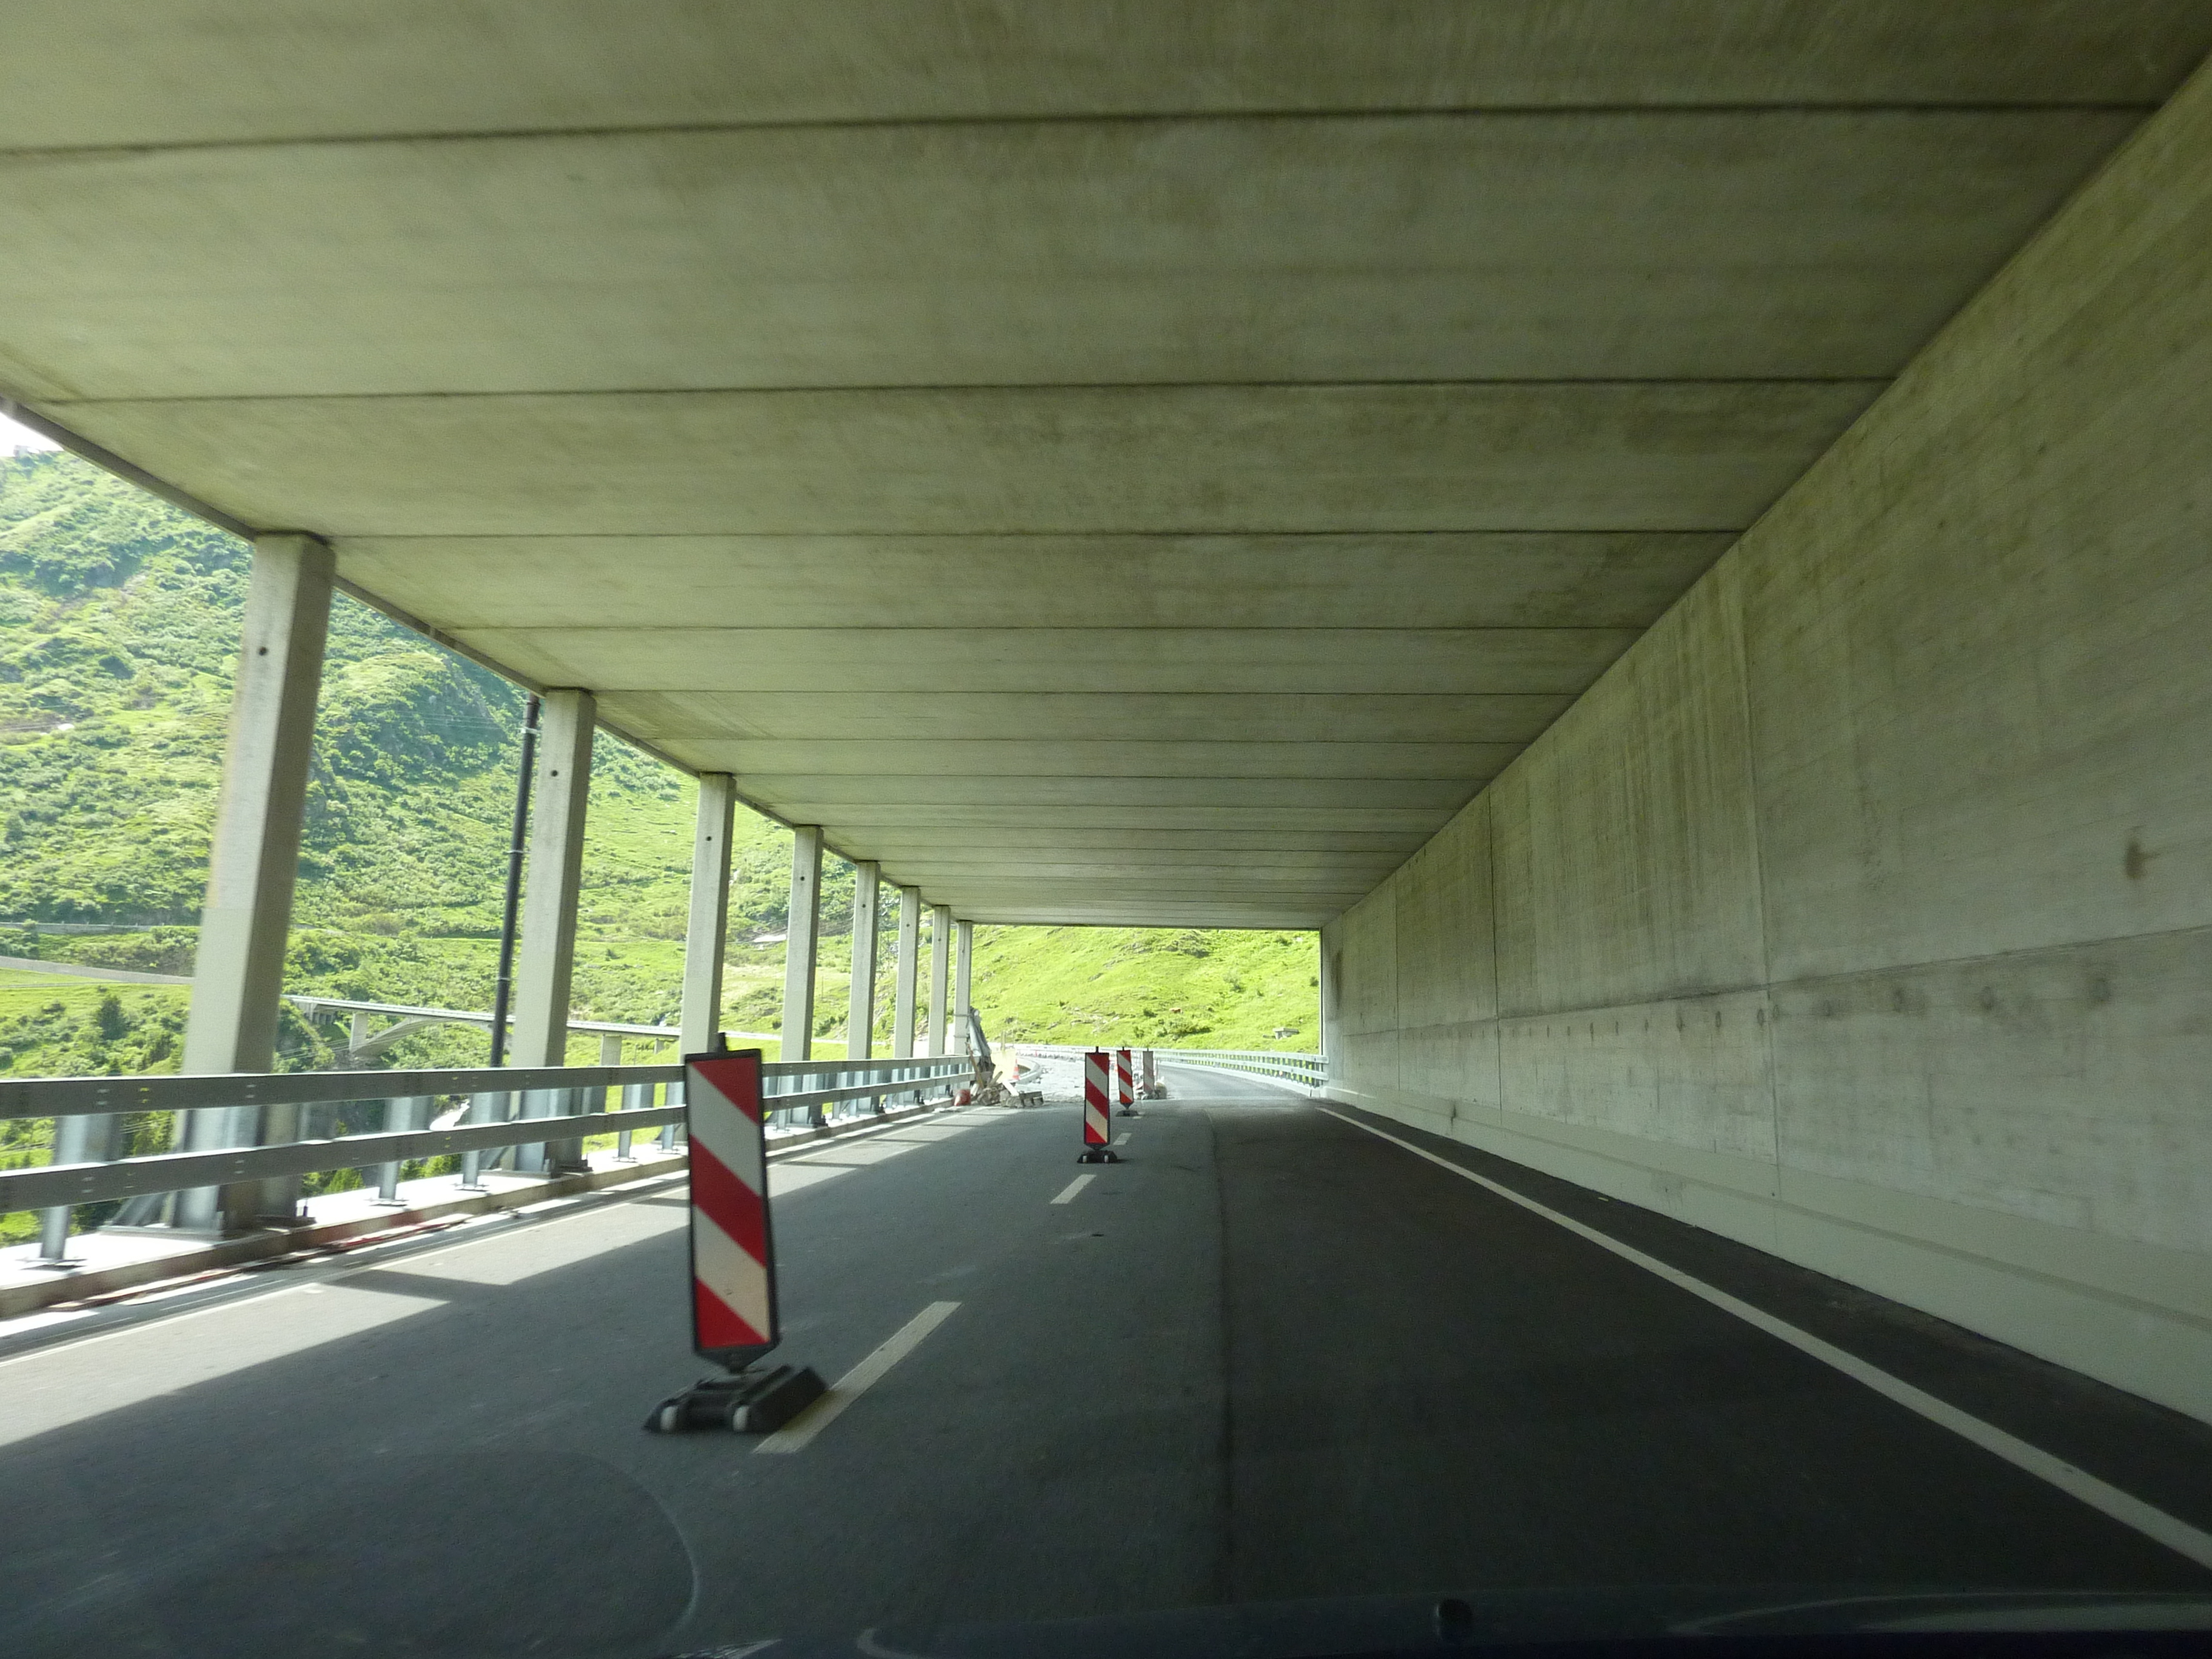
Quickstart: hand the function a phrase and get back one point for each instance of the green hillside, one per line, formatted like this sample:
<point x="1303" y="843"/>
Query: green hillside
<point x="118" y="623"/>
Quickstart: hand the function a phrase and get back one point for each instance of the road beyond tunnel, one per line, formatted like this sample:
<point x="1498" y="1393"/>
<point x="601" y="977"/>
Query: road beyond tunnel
<point x="1269" y="1356"/>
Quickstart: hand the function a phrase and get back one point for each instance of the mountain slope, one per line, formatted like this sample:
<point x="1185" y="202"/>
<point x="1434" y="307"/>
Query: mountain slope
<point x="118" y="625"/>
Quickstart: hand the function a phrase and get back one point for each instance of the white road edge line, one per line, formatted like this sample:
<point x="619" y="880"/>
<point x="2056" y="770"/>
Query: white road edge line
<point x="796" y="1434"/>
<point x="2102" y="1496"/>
<point x="1075" y="1187"/>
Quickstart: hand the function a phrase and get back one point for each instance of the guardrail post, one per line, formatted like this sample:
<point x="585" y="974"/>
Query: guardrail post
<point x="610" y="1054"/>
<point x="529" y="1155"/>
<point x="860" y="1006"/>
<point x="940" y="963"/>
<point x="482" y="1108"/>
<point x="75" y="1139"/>
<point x="909" y="962"/>
<point x="550" y="1157"/>
<point x="254" y="858"/>
<point x="671" y="1096"/>
<point x="407" y="1112"/>
<point x="635" y="1097"/>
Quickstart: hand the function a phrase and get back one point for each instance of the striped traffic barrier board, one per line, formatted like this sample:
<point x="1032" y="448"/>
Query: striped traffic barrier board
<point x="733" y="1318"/>
<point x="733" y="1305"/>
<point x="1125" y="1081"/>
<point x="1097" y="1132"/>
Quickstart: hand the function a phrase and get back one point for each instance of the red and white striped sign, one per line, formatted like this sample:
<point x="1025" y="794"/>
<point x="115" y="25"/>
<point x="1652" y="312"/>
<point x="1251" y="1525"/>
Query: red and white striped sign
<point x="1096" y="1129"/>
<point x="733" y="1319"/>
<point x="1125" y="1078"/>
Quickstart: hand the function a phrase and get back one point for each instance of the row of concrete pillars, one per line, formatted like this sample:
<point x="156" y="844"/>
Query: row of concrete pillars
<point x="947" y="1032"/>
<point x="238" y="980"/>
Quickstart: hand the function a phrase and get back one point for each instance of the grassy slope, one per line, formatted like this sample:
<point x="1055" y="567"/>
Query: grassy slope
<point x="1148" y="987"/>
<point x="118" y="625"/>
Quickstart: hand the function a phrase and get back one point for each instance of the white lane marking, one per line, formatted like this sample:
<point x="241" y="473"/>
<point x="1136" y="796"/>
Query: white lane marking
<point x="1122" y="1140"/>
<point x="1069" y="1191"/>
<point x="794" y="1435"/>
<point x="2102" y="1496"/>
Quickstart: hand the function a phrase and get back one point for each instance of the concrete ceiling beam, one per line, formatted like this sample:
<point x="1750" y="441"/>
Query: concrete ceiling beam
<point x="698" y="718"/>
<point x="1719" y="244"/>
<point x="1702" y="455"/>
<point x="260" y="71"/>
<point x="1622" y="579"/>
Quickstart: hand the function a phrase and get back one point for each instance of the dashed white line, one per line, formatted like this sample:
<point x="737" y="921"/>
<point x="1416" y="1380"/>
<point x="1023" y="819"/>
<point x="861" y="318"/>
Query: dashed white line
<point x="1075" y="1187"/>
<point x="795" y="1435"/>
<point x="2123" y="1507"/>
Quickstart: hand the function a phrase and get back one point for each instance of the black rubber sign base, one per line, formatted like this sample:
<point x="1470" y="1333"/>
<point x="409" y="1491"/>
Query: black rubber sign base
<point x="749" y="1402"/>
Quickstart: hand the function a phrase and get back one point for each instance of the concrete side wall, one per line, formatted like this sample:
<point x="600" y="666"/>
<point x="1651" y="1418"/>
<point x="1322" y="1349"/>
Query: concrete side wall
<point x="1863" y="911"/>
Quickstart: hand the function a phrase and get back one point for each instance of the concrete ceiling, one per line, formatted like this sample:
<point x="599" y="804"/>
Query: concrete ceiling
<point x="1143" y="462"/>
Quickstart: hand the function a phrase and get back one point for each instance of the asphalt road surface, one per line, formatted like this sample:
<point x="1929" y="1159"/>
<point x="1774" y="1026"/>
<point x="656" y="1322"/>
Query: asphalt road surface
<point x="1270" y="1356"/>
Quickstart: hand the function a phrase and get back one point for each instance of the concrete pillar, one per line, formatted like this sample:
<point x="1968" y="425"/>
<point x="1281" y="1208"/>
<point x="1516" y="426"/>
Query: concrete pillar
<point x="964" y="964"/>
<point x="1325" y="997"/>
<point x="548" y="951"/>
<point x="802" y="930"/>
<point x="238" y="976"/>
<point x="860" y="1011"/>
<point x="909" y="960"/>
<point x="546" y="955"/>
<point x="940" y="963"/>
<point x="706" y="936"/>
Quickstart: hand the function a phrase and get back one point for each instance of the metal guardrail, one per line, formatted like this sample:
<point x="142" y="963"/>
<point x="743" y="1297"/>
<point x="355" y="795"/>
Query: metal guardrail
<point x="1310" y="1071"/>
<point x="505" y="1107"/>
